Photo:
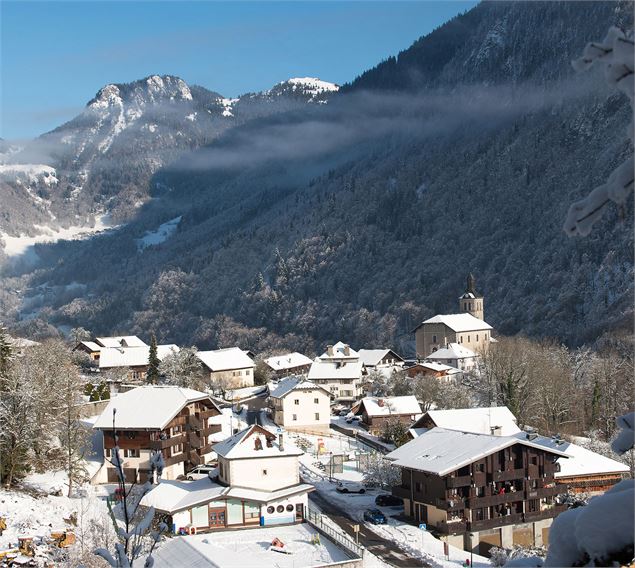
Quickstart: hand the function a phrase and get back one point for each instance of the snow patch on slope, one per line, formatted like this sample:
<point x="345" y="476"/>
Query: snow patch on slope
<point x="313" y="85"/>
<point x="161" y="234"/>
<point x="31" y="173"/>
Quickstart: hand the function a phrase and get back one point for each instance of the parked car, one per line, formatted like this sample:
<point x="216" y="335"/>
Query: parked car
<point x="350" y="487"/>
<point x="375" y="516"/>
<point x="388" y="500"/>
<point x="200" y="471"/>
<point x="353" y="418"/>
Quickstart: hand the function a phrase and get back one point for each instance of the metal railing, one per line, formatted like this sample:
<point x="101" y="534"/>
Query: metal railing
<point x="315" y="518"/>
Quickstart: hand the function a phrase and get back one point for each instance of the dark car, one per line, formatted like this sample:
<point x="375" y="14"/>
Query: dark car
<point x="375" y="516"/>
<point x="388" y="500"/>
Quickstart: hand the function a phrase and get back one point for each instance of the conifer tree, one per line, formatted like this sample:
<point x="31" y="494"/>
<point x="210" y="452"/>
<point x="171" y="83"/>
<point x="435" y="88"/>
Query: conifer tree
<point x="152" y="376"/>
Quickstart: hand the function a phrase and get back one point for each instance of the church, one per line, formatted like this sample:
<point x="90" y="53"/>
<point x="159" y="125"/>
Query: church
<point x="466" y="328"/>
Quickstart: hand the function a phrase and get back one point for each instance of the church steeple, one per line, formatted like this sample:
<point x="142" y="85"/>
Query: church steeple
<point x="471" y="302"/>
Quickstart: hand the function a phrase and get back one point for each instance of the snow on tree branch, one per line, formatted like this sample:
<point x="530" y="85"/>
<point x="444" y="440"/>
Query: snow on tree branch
<point x="617" y="54"/>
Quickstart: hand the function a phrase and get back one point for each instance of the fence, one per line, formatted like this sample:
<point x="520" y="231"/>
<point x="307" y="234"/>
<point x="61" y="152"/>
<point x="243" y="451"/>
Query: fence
<point x="315" y="518"/>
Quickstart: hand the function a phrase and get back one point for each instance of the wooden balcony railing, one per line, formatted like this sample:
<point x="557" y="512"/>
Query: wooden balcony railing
<point x="452" y="527"/>
<point x="194" y="440"/>
<point x="550" y="513"/>
<point x="461" y="481"/>
<point x="544" y="492"/>
<point x="453" y="504"/>
<point x="496" y="522"/>
<point x="507" y="475"/>
<point x="490" y="500"/>
<point x="194" y="423"/>
<point x="172" y="441"/>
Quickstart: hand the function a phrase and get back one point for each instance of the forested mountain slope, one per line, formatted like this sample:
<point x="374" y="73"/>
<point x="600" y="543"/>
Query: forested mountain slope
<point x="356" y="219"/>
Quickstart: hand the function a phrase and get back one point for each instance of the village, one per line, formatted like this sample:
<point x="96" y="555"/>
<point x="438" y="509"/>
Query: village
<point x="294" y="461"/>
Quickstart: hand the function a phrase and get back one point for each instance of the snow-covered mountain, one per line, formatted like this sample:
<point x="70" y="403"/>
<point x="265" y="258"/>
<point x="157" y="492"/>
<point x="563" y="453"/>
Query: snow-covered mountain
<point x="102" y="161"/>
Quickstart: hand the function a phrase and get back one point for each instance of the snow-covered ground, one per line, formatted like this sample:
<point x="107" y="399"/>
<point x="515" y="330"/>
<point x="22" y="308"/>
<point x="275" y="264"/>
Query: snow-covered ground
<point x="360" y="431"/>
<point x="244" y="393"/>
<point x="18" y="246"/>
<point x="228" y="549"/>
<point x="159" y="235"/>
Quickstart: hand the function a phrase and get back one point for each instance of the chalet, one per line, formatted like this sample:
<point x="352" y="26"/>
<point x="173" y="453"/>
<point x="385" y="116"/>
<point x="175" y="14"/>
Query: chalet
<point x="289" y="364"/>
<point x="432" y="369"/>
<point x="133" y="360"/>
<point x="176" y="421"/>
<point x="299" y="403"/>
<point x="466" y="328"/>
<point x="232" y="365"/>
<point x="497" y="420"/>
<point x="376" y="412"/>
<point x="380" y="358"/>
<point x="339" y="370"/>
<point x="455" y="355"/>
<point x="121" y="341"/>
<point x="479" y="490"/>
<point x="91" y="348"/>
<point x="257" y="483"/>
<point x="583" y="472"/>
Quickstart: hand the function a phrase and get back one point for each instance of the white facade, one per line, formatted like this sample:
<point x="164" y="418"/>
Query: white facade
<point x="297" y="403"/>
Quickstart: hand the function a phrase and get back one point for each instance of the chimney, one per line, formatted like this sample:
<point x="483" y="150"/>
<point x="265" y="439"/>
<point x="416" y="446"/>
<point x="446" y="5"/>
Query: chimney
<point x="280" y="442"/>
<point x="329" y="350"/>
<point x="496" y="430"/>
<point x="347" y="350"/>
<point x="380" y="402"/>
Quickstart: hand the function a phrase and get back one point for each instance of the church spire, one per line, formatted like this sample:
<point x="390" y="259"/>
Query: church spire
<point x="471" y="284"/>
<point x="471" y="302"/>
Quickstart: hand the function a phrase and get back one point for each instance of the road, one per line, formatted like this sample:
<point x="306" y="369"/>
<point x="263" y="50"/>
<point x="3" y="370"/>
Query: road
<point x="385" y="549"/>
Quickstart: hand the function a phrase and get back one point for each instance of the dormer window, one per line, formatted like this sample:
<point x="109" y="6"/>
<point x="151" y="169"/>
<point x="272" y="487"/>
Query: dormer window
<point x="257" y="444"/>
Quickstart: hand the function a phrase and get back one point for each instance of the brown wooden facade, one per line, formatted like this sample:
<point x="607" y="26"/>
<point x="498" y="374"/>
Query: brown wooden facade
<point x="512" y="486"/>
<point x="188" y="432"/>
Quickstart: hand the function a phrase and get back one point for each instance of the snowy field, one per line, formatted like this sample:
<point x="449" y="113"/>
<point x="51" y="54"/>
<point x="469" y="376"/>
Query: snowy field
<point x="229" y="549"/>
<point x="158" y="236"/>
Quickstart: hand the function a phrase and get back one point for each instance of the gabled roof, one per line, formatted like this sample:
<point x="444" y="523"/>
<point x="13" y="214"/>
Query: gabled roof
<point x="452" y="351"/>
<point x="243" y="445"/>
<point x="173" y="496"/>
<point x="335" y="370"/>
<point x="90" y="345"/>
<point x="288" y="361"/>
<point x="121" y="341"/>
<point x="458" y="322"/>
<point x="148" y="407"/>
<point x="475" y="420"/>
<point x="131" y="356"/>
<point x="290" y="384"/>
<point x="21" y="342"/>
<point x="581" y="461"/>
<point x="439" y="367"/>
<point x="440" y="451"/>
<point x="372" y="357"/>
<point x="338" y="352"/>
<point x="389" y="405"/>
<point x="226" y="359"/>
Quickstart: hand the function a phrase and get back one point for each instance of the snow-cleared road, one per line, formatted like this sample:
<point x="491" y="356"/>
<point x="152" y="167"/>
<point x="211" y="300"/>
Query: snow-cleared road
<point x="385" y="549"/>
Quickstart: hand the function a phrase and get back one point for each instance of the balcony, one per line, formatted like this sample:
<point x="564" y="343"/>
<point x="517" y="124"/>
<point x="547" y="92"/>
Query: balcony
<point x="496" y="522"/>
<point x="531" y="516"/>
<point x="205" y="414"/>
<point x="491" y="500"/>
<point x="507" y="475"/>
<point x="162" y="444"/>
<point x="452" y="527"/>
<point x="461" y="481"/>
<point x="399" y="491"/>
<point x="544" y="492"/>
<point x="451" y="504"/>
<point x="211" y="429"/>
<point x="194" y="423"/>
<point x="194" y="440"/>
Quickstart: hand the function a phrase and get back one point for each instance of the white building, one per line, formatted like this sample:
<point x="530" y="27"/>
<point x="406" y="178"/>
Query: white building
<point x="133" y="359"/>
<point x="440" y="330"/>
<point x="455" y="355"/>
<point x="488" y="420"/>
<point x="299" y="403"/>
<point x="121" y="341"/>
<point x="232" y="365"/>
<point x="258" y="484"/>
<point x="289" y="364"/>
<point x="380" y="358"/>
<point x="339" y="370"/>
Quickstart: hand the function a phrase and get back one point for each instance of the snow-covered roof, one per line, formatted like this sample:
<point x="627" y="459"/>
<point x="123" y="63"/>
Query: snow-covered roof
<point x="121" y="341"/>
<point x="459" y="322"/>
<point x="581" y="461"/>
<point x="439" y="367"/>
<point x="226" y="359"/>
<point x="172" y="496"/>
<point x="469" y="296"/>
<point x="335" y="370"/>
<point x="148" y="407"/>
<point x="180" y="551"/>
<point x="288" y="361"/>
<point x="21" y="342"/>
<point x="475" y="420"/>
<point x="440" y="451"/>
<point x="242" y="445"/>
<point x="290" y="384"/>
<point x="372" y="357"/>
<point x="339" y="350"/>
<point x="268" y="496"/>
<point x="452" y="351"/>
<point x="131" y="356"/>
<point x="91" y="345"/>
<point x="389" y="405"/>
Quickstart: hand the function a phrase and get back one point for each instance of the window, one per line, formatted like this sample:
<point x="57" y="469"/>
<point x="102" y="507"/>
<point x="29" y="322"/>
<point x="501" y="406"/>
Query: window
<point x="177" y="449"/>
<point x="468" y="338"/>
<point x="264" y="472"/>
<point x="270" y="509"/>
<point x="295" y="417"/>
<point x="289" y="507"/>
<point x="296" y="401"/>
<point x="280" y="509"/>
<point x="108" y="452"/>
<point x="461" y="339"/>
<point x="247" y="372"/>
<point x="317" y="415"/>
<point x="316" y="401"/>
<point x="131" y="435"/>
<point x="131" y="453"/>
<point x="481" y="467"/>
<point x="434" y="339"/>
<point x="477" y="338"/>
<point x="417" y="487"/>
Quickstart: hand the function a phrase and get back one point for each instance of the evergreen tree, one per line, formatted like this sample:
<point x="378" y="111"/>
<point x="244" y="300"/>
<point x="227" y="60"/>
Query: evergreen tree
<point x="152" y="376"/>
<point x="6" y="351"/>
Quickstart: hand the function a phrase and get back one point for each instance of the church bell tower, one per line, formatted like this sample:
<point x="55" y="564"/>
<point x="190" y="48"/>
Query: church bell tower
<point x="471" y="301"/>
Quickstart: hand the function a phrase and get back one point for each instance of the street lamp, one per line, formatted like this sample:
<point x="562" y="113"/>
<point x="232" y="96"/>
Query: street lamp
<point x="471" y="550"/>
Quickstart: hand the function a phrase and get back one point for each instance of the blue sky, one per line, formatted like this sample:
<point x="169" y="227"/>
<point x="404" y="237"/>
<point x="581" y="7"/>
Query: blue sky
<point x="56" y="55"/>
